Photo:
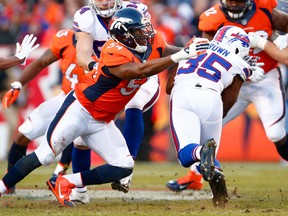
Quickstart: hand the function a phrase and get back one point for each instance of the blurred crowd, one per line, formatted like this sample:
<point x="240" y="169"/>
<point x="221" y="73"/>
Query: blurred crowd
<point x="177" y="18"/>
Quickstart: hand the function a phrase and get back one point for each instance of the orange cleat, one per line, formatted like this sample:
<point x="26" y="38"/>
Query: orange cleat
<point x="62" y="189"/>
<point x="191" y="181"/>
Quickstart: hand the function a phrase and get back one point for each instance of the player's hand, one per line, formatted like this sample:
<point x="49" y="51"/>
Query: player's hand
<point x="196" y="47"/>
<point x="253" y="61"/>
<point x="257" y="74"/>
<point x="26" y="47"/>
<point x="281" y="41"/>
<point x="11" y="96"/>
<point x="256" y="40"/>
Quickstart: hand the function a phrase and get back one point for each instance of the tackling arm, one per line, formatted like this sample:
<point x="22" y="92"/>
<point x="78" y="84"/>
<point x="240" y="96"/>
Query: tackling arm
<point x="230" y="94"/>
<point x="279" y="20"/>
<point x="84" y="48"/>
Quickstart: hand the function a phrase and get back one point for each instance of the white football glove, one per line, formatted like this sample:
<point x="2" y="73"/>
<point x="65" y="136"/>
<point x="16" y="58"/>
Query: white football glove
<point x="257" y="74"/>
<point x="256" y="40"/>
<point x="23" y="50"/>
<point x="281" y="41"/>
<point x="197" y="47"/>
<point x="253" y="61"/>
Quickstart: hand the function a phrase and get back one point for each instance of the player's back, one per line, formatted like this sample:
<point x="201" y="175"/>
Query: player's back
<point x="214" y="69"/>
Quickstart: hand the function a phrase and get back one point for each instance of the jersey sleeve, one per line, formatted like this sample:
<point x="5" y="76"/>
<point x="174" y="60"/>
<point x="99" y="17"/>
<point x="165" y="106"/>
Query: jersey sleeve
<point x="268" y="4"/>
<point x="211" y="19"/>
<point x="241" y="67"/>
<point x="83" y="20"/>
<point x="113" y="54"/>
<point x="60" y="40"/>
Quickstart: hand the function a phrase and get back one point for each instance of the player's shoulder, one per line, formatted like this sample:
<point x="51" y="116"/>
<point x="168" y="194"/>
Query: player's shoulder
<point x="138" y="6"/>
<point x="84" y="18"/>
<point x="114" y="53"/>
<point x="267" y="4"/>
<point x="62" y="38"/>
<point x="211" y="19"/>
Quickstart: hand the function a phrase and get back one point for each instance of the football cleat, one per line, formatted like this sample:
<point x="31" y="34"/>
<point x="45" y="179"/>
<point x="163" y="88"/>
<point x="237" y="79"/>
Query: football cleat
<point x="61" y="188"/>
<point x="191" y="181"/>
<point x="123" y="184"/>
<point x="80" y="197"/>
<point x="219" y="190"/>
<point x="207" y="155"/>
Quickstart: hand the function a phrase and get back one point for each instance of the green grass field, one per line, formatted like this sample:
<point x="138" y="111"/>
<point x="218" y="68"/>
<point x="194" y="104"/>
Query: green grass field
<point x="254" y="189"/>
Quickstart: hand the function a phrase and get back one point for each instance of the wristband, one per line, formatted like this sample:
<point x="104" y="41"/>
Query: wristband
<point x="16" y="85"/>
<point x="91" y="65"/>
<point x="261" y="43"/>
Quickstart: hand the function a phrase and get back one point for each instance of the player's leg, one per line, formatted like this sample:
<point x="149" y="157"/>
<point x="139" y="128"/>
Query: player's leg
<point x="64" y="162"/>
<point x="270" y="105"/>
<point x="34" y="127"/>
<point x="133" y="130"/>
<point x="108" y="143"/>
<point x="80" y="151"/>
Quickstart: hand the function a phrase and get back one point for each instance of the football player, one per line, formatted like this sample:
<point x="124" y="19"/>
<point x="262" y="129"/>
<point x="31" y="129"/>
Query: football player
<point x="89" y="111"/>
<point x="268" y="95"/>
<point x="22" y="53"/>
<point x="62" y="48"/>
<point x="196" y="106"/>
<point x="91" y="24"/>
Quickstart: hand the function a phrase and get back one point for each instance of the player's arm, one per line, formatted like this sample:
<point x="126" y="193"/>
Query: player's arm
<point x="22" y="53"/>
<point x="35" y="67"/>
<point x="84" y="48"/>
<point x="30" y="72"/>
<point x="132" y="70"/>
<point x="208" y="35"/>
<point x="270" y="48"/>
<point x="279" y="20"/>
<point x="230" y="94"/>
<point x="7" y="62"/>
<point x="170" y="80"/>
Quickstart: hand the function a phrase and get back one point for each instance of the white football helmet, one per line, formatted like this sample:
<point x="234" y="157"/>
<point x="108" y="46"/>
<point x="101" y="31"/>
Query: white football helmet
<point x="235" y="38"/>
<point x="105" y="8"/>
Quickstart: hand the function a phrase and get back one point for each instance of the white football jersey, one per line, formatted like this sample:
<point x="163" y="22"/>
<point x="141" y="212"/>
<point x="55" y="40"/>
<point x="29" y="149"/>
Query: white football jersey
<point x="213" y="70"/>
<point x="86" y="20"/>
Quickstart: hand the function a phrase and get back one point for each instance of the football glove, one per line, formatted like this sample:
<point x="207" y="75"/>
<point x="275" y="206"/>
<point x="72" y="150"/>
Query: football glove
<point x="197" y="47"/>
<point x="257" y="74"/>
<point x="11" y="96"/>
<point x="256" y="40"/>
<point x="281" y="41"/>
<point x="253" y="61"/>
<point x="23" y="50"/>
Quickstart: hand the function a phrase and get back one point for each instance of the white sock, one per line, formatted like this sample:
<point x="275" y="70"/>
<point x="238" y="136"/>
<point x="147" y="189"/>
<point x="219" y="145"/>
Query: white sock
<point x="3" y="188"/>
<point x="59" y="168"/>
<point x="75" y="179"/>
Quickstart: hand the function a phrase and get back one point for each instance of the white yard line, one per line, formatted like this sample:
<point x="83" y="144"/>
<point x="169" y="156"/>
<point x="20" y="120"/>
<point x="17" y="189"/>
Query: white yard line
<point x="131" y="195"/>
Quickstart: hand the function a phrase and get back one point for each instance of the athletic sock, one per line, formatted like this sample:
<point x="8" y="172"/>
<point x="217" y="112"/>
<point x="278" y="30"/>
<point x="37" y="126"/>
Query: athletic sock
<point x="104" y="174"/>
<point x="133" y="130"/>
<point x="16" y="153"/>
<point x="81" y="160"/>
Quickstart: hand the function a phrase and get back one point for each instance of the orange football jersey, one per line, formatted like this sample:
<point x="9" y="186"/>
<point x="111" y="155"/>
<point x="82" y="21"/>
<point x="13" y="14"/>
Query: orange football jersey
<point x="105" y="95"/>
<point x="63" y="47"/>
<point x="213" y="19"/>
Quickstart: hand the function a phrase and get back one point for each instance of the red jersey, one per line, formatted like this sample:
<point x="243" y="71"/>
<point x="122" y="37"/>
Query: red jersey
<point x="214" y="18"/>
<point x="103" y="94"/>
<point x="63" y="47"/>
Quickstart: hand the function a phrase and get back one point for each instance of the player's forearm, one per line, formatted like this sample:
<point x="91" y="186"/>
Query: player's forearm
<point x="30" y="72"/>
<point x="7" y="62"/>
<point x="278" y="55"/>
<point x="84" y="49"/>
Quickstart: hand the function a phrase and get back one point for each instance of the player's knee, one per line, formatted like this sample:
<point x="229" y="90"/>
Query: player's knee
<point x="45" y="154"/>
<point x="25" y="128"/>
<point x="126" y="162"/>
<point x="275" y="136"/>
